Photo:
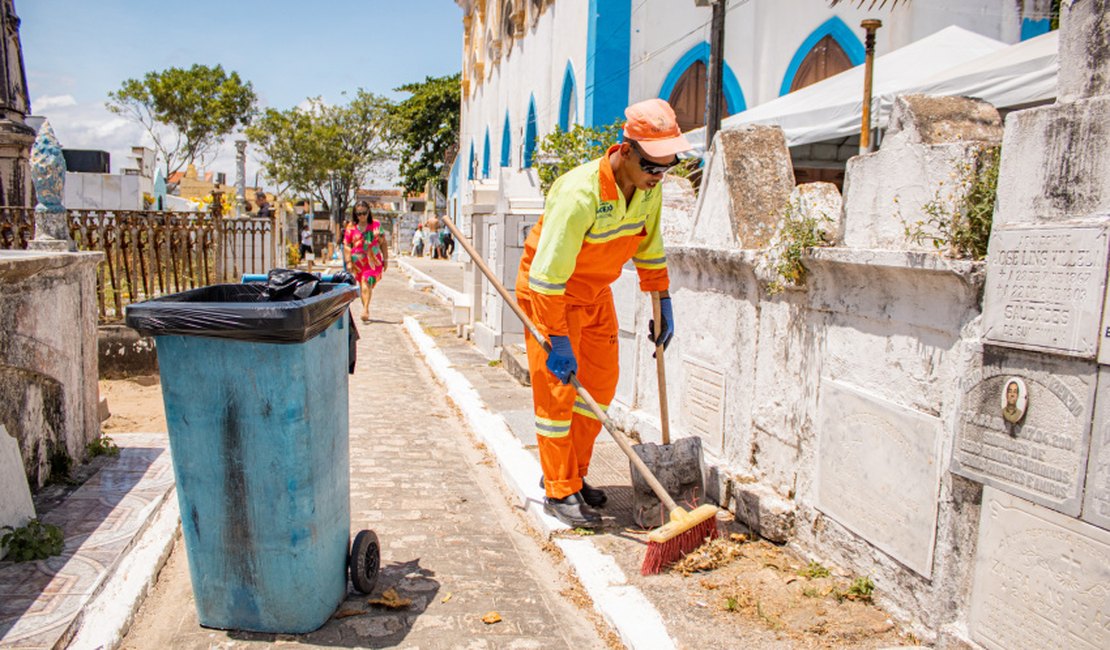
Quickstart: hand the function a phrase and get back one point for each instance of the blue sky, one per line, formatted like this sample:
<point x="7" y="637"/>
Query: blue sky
<point x="76" y="51"/>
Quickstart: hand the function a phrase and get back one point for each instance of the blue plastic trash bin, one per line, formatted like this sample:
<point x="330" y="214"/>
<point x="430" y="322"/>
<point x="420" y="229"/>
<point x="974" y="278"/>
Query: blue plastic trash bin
<point x="258" y="434"/>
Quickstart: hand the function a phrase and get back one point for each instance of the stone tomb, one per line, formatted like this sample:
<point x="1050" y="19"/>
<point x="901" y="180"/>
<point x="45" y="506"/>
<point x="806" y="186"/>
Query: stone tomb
<point x="1045" y="288"/>
<point x="1042" y="580"/>
<point x="1042" y="457"/>
<point x="703" y="402"/>
<point x="878" y="472"/>
<point x="1096" y="502"/>
<point x="16" y="507"/>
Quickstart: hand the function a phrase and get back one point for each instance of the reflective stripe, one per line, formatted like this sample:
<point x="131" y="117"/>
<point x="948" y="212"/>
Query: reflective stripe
<point x="645" y="262"/>
<point x="546" y="287"/>
<point x="552" y="428"/>
<point x="611" y="233"/>
<point x="581" y="408"/>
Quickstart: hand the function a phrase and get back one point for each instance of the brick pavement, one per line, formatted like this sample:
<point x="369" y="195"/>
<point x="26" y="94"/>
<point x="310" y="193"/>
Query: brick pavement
<point x="451" y="541"/>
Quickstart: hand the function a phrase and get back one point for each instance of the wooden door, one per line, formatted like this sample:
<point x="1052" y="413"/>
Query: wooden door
<point x="826" y="59"/>
<point x="688" y="97"/>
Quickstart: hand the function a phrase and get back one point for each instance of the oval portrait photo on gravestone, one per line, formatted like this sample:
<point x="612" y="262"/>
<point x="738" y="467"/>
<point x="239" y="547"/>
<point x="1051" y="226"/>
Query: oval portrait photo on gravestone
<point x="1014" y="399"/>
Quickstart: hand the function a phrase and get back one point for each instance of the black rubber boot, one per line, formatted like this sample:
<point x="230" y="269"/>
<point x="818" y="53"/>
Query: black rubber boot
<point x="572" y="511"/>
<point x="594" y="497"/>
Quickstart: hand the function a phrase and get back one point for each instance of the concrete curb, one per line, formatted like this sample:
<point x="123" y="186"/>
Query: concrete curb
<point x="105" y="619"/>
<point x="623" y="606"/>
<point x="419" y="278"/>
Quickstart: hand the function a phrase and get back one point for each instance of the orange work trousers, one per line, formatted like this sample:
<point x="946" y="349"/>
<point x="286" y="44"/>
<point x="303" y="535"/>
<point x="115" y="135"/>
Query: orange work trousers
<point x="565" y="426"/>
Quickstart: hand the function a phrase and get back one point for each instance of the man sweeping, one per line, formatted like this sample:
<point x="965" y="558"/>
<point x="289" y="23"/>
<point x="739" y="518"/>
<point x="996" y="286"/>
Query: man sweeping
<point x="597" y="216"/>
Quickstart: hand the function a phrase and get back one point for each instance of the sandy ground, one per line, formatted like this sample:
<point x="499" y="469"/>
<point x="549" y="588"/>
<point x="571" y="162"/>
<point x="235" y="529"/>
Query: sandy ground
<point x="135" y="405"/>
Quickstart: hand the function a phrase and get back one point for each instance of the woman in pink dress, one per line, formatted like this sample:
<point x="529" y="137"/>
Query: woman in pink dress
<point x="367" y="253"/>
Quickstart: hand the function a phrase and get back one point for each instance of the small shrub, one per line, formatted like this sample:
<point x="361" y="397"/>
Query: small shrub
<point x="35" y="541"/>
<point x="960" y="223"/>
<point x="102" y="446"/>
<point x="861" y="589"/>
<point x="814" y="570"/>
<point x="561" y="151"/>
<point x="292" y="254"/>
<point x="798" y="232"/>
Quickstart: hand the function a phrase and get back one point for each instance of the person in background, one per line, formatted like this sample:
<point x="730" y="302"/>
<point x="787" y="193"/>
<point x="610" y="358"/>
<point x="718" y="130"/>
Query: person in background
<point x="264" y="209"/>
<point x="418" y="241"/>
<point x="366" y="251"/>
<point x="306" y="242"/>
<point x="448" y="244"/>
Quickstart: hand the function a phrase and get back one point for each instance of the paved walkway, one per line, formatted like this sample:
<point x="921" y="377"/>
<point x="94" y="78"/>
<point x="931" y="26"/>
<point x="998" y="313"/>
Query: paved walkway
<point x="451" y="541"/>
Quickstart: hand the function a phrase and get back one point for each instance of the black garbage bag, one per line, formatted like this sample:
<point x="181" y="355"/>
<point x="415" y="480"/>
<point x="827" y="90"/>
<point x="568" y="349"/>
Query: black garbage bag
<point x="288" y="284"/>
<point x="344" y="277"/>
<point x="246" y="312"/>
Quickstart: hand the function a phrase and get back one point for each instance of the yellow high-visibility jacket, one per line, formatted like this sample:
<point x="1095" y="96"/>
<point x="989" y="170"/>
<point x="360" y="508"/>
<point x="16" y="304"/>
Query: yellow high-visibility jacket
<point x="585" y="236"/>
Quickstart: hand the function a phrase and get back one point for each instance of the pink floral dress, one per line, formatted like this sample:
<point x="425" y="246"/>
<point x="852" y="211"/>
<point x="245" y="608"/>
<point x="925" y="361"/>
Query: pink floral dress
<point x="366" y="251"/>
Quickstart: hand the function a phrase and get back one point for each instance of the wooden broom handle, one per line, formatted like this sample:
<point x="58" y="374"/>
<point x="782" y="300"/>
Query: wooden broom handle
<point x="660" y="369"/>
<point x="618" y="435"/>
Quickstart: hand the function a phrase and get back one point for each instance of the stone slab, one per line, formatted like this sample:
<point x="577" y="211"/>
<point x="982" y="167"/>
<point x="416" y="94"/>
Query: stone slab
<point x="1043" y="456"/>
<point x="16" y="507"/>
<point x="878" y="472"/>
<point x="703" y="402"/>
<point x="1041" y="579"/>
<point x="1045" y="288"/>
<point x="1096" y="500"/>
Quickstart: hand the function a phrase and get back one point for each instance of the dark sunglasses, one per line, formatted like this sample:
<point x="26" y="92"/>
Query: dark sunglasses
<point x="362" y="214"/>
<point x="650" y="168"/>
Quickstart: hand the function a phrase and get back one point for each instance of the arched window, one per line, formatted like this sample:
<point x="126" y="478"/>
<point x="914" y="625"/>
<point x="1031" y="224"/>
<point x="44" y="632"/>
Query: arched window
<point x="506" y="137"/>
<point x="823" y="61"/>
<point x="530" y="133"/>
<point x="685" y="88"/>
<point x="485" y="156"/>
<point x="568" y="106"/>
<point x="830" y="49"/>
<point x="471" y="168"/>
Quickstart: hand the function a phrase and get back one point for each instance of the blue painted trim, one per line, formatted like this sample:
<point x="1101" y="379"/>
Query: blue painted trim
<point x="567" y="97"/>
<point x="840" y="32"/>
<point x="485" y="156"/>
<point x="453" y="178"/>
<point x="734" y="95"/>
<point x="1033" y="28"/>
<point x="470" y="167"/>
<point x="608" y="50"/>
<point x="530" y="133"/>
<point x="506" y="142"/>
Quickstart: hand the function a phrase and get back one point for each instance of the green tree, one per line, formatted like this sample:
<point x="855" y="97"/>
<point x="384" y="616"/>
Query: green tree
<point x="324" y="151"/>
<point x="426" y="125"/>
<point x="561" y="151"/>
<point x="186" y="112"/>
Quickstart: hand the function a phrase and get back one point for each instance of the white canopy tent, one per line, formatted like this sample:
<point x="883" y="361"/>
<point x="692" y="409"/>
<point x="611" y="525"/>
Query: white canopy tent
<point x="953" y="61"/>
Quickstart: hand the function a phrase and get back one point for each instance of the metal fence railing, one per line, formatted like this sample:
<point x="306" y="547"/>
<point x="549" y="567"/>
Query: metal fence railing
<point x="153" y="253"/>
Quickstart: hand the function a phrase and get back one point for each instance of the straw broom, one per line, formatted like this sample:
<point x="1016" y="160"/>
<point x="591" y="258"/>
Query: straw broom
<point x="686" y="530"/>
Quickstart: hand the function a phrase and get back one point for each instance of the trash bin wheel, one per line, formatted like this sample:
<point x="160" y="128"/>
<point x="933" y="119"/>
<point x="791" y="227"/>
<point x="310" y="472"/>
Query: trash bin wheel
<point x="365" y="560"/>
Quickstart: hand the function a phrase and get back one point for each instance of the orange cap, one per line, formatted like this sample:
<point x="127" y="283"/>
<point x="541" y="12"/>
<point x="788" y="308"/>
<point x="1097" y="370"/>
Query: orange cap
<point x="653" y="125"/>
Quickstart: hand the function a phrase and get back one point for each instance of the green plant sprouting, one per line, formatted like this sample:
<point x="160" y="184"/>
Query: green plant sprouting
<point x="35" y="541"/>
<point x="561" y="151"/>
<point x="959" y="223"/>
<point x="102" y="446"/>
<point x="799" y="231"/>
<point x="814" y="570"/>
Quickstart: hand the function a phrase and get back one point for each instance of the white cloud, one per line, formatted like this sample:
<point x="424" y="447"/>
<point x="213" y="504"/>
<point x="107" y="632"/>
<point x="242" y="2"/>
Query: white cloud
<point x="49" y="102"/>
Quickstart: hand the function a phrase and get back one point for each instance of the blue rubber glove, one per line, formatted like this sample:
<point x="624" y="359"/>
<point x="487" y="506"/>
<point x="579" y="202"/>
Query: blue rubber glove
<point x="666" y="327"/>
<point x="561" y="361"/>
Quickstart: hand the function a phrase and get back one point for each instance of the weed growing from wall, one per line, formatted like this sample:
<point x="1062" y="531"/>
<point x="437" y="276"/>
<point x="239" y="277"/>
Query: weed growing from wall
<point x="799" y="231"/>
<point x="959" y="223"/>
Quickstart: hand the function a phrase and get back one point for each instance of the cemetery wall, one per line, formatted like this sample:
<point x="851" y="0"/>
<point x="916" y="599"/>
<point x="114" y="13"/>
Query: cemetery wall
<point x="937" y="424"/>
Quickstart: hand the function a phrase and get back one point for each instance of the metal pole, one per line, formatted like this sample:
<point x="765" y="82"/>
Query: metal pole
<point x="870" y="25"/>
<point x="713" y="107"/>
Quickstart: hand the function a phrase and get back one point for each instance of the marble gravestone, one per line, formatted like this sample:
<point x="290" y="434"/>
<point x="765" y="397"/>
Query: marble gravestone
<point x="1043" y="456"/>
<point x="703" y="402"/>
<point x="1042" y="580"/>
<point x="878" y="473"/>
<point x="1096" y="502"/>
<point x="16" y="507"/>
<point x="1045" y="288"/>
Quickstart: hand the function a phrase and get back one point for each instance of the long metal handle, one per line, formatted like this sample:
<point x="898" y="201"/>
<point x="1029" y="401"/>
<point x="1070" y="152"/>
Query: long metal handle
<point x="660" y="368"/>
<point x="618" y="435"/>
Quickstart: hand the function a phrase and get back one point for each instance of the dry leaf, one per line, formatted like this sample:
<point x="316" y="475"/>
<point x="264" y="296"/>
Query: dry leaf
<point x="447" y="597"/>
<point x="391" y="599"/>
<point x="344" y="613"/>
<point x="491" y="617"/>
<point x="738" y="537"/>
